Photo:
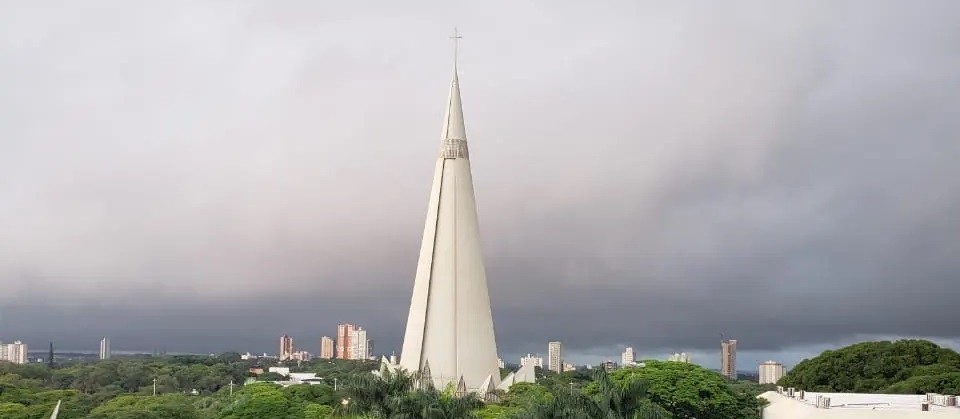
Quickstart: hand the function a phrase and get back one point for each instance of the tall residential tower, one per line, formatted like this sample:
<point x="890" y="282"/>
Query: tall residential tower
<point x="286" y="347"/>
<point x="326" y="347"/>
<point x="770" y="372"/>
<point x="104" y="348"/>
<point x="728" y="359"/>
<point x="555" y="356"/>
<point x="628" y="357"/>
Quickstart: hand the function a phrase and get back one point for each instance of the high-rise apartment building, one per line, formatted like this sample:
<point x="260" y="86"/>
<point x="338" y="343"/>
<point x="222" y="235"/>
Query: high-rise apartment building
<point x="286" y="347"/>
<point x="555" y="356"/>
<point x="628" y="357"/>
<point x="728" y="359"/>
<point x="352" y="342"/>
<point x="771" y="372"/>
<point x="326" y="347"/>
<point x="537" y="361"/>
<point x="344" y="330"/>
<point x="680" y="357"/>
<point x="104" y="348"/>
<point x="359" y="344"/>
<point x="15" y="352"/>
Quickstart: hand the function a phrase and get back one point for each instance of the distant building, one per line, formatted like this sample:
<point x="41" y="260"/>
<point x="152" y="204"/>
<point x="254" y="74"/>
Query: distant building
<point x="15" y="352"/>
<point x="569" y="367"/>
<point x="280" y="370"/>
<point x="771" y="372"/>
<point x="344" y="331"/>
<point x="628" y="357"/>
<point x="555" y="356"/>
<point x="300" y="356"/>
<point x="104" y="348"/>
<point x="247" y="356"/>
<point x="500" y="363"/>
<point x="680" y="357"/>
<point x="537" y="361"/>
<point x="326" y="347"/>
<point x="286" y="347"/>
<point x="608" y="365"/>
<point x="359" y="344"/>
<point x="728" y="359"/>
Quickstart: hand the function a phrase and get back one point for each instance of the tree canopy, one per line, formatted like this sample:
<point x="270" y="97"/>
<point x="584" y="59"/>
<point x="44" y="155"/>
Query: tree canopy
<point x="687" y="390"/>
<point x="903" y="366"/>
<point x="198" y="387"/>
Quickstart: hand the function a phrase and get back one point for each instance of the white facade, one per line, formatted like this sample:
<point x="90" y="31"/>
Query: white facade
<point x="555" y="356"/>
<point x="680" y="357"/>
<point x="853" y="406"/>
<point x="628" y="357"/>
<point x="526" y="374"/>
<point x="326" y="347"/>
<point x="104" y="348"/>
<point x="359" y="344"/>
<point x="15" y="352"/>
<point x="770" y="372"/>
<point x="280" y="370"/>
<point x="450" y="326"/>
<point x="537" y="361"/>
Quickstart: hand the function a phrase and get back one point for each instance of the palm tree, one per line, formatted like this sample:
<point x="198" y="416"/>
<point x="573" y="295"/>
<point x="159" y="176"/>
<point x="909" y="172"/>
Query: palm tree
<point x="628" y="400"/>
<point x="397" y="395"/>
<point x="375" y="395"/>
<point x="432" y="404"/>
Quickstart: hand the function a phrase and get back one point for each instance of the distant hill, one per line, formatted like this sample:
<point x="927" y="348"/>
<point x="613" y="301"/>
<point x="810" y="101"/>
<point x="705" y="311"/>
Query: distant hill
<point x="903" y="366"/>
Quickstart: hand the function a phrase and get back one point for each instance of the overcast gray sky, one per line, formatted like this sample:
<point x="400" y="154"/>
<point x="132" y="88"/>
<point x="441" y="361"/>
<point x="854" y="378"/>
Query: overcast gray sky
<point x="207" y="175"/>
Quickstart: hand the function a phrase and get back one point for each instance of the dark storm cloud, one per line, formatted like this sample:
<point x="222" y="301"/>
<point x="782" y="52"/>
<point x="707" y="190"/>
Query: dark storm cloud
<point x="207" y="177"/>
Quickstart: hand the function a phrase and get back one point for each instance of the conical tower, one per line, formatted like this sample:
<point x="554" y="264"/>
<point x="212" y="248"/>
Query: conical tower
<point x="450" y="324"/>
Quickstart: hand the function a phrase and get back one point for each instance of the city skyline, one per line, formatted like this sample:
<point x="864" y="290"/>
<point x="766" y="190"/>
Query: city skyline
<point x="756" y="169"/>
<point x="581" y="359"/>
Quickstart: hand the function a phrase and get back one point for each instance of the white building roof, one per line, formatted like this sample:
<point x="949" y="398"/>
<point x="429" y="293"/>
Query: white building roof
<point x="853" y="405"/>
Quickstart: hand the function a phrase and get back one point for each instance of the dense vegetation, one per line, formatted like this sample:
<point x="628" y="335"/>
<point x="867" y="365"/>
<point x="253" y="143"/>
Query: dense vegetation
<point x="690" y="391"/>
<point x="904" y="366"/>
<point x="198" y="387"/>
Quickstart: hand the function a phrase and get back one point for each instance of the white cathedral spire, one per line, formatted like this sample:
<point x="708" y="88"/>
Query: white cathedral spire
<point x="450" y="327"/>
<point x="453" y="128"/>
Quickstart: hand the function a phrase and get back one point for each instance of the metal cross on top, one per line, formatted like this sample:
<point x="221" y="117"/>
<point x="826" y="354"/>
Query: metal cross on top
<point x="456" y="45"/>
